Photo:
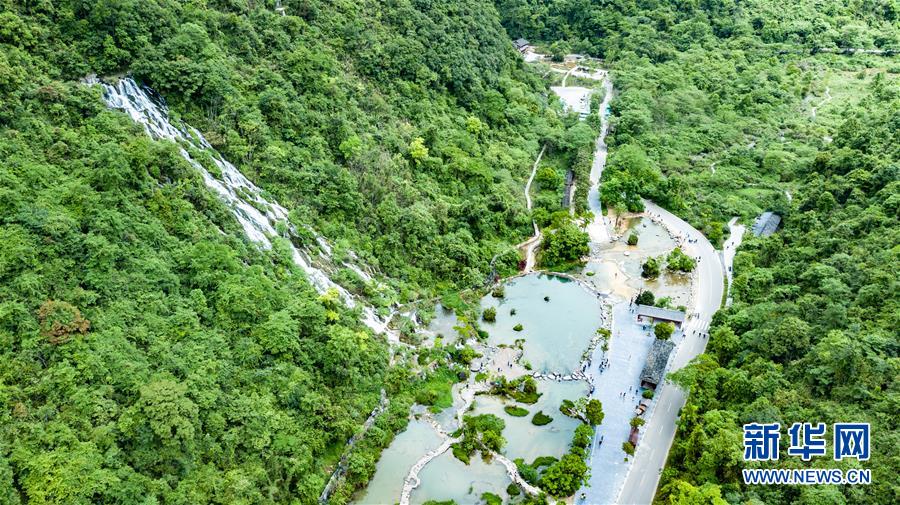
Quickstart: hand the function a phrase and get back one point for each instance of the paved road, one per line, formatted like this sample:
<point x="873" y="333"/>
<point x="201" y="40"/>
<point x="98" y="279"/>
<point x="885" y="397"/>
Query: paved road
<point x="659" y="432"/>
<point x="729" y="249"/>
<point x="626" y="356"/>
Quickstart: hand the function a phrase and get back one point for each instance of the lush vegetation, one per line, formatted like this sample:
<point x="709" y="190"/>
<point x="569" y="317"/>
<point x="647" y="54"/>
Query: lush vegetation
<point x="523" y="390"/>
<point x="651" y="267"/>
<point x="563" y="246"/>
<point x="812" y="332"/>
<point x="663" y="331"/>
<point x="482" y="433"/>
<point x="678" y="261"/>
<point x="515" y="411"/>
<point x="560" y="477"/>
<point x="540" y="419"/>
<point x="588" y="410"/>
<point x="151" y="352"/>
<point x="722" y="109"/>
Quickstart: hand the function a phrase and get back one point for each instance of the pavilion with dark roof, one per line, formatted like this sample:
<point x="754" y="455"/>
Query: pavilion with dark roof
<point x="651" y="314"/>
<point x="766" y="224"/>
<point x="655" y="367"/>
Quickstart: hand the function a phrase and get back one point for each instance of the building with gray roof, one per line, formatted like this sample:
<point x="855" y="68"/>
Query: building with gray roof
<point x="766" y="224"/>
<point x="651" y="314"/>
<point x="655" y="367"/>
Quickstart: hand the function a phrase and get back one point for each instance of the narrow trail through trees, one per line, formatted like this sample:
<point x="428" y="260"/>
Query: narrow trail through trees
<point x="815" y="108"/>
<point x="530" y="245"/>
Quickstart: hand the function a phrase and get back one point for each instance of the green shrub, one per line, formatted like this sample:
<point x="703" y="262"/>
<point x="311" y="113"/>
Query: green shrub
<point x="543" y="461"/>
<point x="663" y="331"/>
<point x="648" y="394"/>
<point x="515" y="411"/>
<point x="645" y="298"/>
<point x="489" y="314"/>
<point x="583" y="435"/>
<point x="479" y="433"/>
<point x="540" y="419"/>
<point x="565" y="476"/>
<point x="594" y="411"/>
<point x="628" y="447"/>
<point x="650" y="268"/>
<point x="633" y="239"/>
<point x="426" y="397"/>
<point x="678" y="261"/>
<point x="518" y="327"/>
<point x="491" y="499"/>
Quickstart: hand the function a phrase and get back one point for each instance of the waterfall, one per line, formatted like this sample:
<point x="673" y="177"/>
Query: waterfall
<point x="242" y="196"/>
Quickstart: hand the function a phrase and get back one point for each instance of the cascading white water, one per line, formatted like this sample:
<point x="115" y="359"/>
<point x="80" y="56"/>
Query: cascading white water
<point x="242" y="196"/>
<point x="597" y="229"/>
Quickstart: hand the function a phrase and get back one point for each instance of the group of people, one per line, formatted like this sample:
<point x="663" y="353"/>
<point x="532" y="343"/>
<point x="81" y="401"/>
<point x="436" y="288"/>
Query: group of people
<point x="624" y="394"/>
<point x="604" y="364"/>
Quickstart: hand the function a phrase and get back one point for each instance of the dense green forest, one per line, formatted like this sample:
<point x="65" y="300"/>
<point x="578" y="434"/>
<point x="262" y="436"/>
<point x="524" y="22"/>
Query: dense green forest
<point x="150" y="352"/>
<point x="714" y="117"/>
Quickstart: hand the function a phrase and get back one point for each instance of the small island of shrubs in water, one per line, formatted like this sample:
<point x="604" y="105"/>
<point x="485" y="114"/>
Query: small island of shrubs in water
<point x="515" y="411"/>
<point x="541" y="419"/>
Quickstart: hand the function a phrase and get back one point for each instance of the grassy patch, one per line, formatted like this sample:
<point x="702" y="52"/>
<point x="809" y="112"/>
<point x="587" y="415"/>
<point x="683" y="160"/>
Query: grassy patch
<point x="435" y="391"/>
<point x="515" y="411"/>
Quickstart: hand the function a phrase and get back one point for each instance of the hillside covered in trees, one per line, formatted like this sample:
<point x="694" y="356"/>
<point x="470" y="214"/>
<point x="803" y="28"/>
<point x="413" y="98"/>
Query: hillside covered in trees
<point x="150" y="352"/>
<point x="728" y="109"/>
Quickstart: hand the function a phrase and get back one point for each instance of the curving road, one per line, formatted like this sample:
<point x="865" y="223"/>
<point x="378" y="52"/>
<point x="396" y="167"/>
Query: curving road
<point x="659" y="432"/>
<point x="729" y="249"/>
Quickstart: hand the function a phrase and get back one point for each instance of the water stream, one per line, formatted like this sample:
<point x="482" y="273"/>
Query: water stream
<point x="597" y="228"/>
<point x="259" y="217"/>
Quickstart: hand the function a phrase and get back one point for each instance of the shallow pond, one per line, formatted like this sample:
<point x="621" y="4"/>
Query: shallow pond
<point x="556" y="331"/>
<point x="527" y="441"/>
<point x="619" y="265"/>
<point x="443" y="322"/>
<point x="653" y="239"/>
<point x="447" y="478"/>
<point x="395" y="462"/>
